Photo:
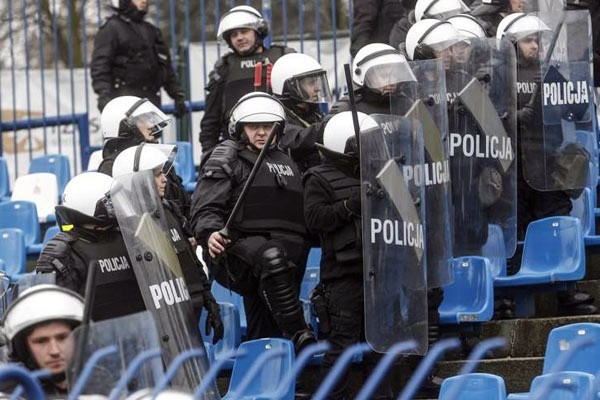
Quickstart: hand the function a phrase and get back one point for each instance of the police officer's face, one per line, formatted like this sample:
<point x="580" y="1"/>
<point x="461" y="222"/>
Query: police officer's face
<point x="242" y="39"/>
<point x="145" y="128"/>
<point x="141" y="5"/>
<point x="528" y="47"/>
<point x="312" y="87"/>
<point x="461" y="52"/>
<point x="446" y="56"/>
<point x="161" y="182"/>
<point x="517" y="5"/>
<point x="50" y="346"/>
<point x="258" y="133"/>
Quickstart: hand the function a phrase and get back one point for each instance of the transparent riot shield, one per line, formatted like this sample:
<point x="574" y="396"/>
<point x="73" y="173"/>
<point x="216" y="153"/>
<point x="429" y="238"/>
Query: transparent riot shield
<point x="480" y="80"/>
<point x="144" y="228"/>
<point x="131" y="335"/>
<point x="558" y="142"/>
<point x="429" y="108"/>
<point x="393" y="217"/>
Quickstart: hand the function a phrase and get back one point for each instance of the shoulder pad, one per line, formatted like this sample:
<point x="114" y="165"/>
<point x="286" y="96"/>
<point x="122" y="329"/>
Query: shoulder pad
<point x="59" y="245"/>
<point x="221" y="160"/>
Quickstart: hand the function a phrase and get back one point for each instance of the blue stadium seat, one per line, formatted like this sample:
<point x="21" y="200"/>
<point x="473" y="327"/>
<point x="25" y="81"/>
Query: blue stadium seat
<point x="553" y="251"/>
<point x="4" y="181"/>
<point x="314" y="258"/>
<point x="310" y="280"/>
<point x="22" y="215"/>
<point x="56" y="164"/>
<point x="224" y="295"/>
<point x="271" y="373"/>
<point x="583" y="209"/>
<point x="471" y="297"/>
<point x="494" y="250"/>
<point x="184" y="165"/>
<point x="474" y="387"/>
<point x="565" y="385"/>
<point x="50" y="233"/>
<point x="12" y="253"/>
<point x="232" y="337"/>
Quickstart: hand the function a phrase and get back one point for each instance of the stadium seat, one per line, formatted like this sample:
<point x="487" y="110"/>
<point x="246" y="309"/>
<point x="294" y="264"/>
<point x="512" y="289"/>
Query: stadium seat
<point x="232" y="337"/>
<point x="471" y="297"/>
<point x="12" y="252"/>
<point x="495" y="251"/>
<point x="94" y="161"/>
<point x="4" y="181"/>
<point x="40" y="188"/>
<point x="50" y="233"/>
<point x="22" y="215"/>
<point x="224" y="295"/>
<point x="270" y="375"/>
<point x="310" y="280"/>
<point x="56" y="164"/>
<point x="566" y="385"/>
<point x="476" y="386"/>
<point x="314" y="258"/>
<point x="184" y="165"/>
<point x="553" y="251"/>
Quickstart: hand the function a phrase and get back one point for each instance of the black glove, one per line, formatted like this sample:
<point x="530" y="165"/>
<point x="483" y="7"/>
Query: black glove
<point x="526" y="115"/>
<point x="180" y="108"/>
<point x="103" y="98"/>
<point x="352" y="204"/>
<point x="213" y="317"/>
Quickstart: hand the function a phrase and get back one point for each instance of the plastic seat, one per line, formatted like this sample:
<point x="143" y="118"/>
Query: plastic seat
<point x="232" y="337"/>
<point x="50" y="233"/>
<point x="566" y="385"/>
<point x="12" y="252"/>
<point x="314" y="258"/>
<point x="474" y="387"/>
<point x="553" y="251"/>
<point x="95" y="160"/>
<point x="4" y="180"/>
<point x="271" y="374"/>
<point x="310" y="280"/>
<point x="184" y="164"/>
<point x="471" y="297"/>
<point x="583" y="209"/>
<point x="22" y="215"/>
<point x="40" y="188"/>
<point x="224" y="295"/>
<point x="494" y="250"/>
<point x="56" y="164"/>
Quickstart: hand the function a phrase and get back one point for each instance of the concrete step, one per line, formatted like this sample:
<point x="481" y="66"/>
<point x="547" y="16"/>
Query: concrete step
<point x="546" y="302"/>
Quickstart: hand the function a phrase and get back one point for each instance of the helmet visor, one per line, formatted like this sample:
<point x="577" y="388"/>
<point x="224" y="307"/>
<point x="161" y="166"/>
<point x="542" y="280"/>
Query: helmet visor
<point x="383" y="75"/>
<point x="151" y="123"/>
<point x="442" y="15"/>
<point x="311" y="87"/>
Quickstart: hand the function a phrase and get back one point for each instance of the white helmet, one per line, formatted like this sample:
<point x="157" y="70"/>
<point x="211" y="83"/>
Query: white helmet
<point x="468" y="26"/>
<point x="377" y="65"/>
<point x="242" y="17"/>
<point x="340" y="128"/>
<point x="125" y="114"/>
<point x="143" y="157"/>
<point x="84" y="190"/>
<point x="432" y="34"/>
<point x="36" y="305"/>
<point x="439" y="9"/>
<point x="516" y="26"/>
<point x="255" y="107"/>
<point x="293" y="73"/>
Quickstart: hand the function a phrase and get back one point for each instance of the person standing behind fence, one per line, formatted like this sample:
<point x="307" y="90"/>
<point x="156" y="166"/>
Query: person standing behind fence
<point x="243" y="29"/>
<point x="130" y="57"/>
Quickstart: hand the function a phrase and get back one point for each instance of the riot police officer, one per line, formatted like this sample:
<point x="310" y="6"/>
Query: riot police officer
<point x="243" y="29"/>
<point x="264" y="256"/>
<point x="159" y="158"/>
<point x="37" y="328"/>
<point x="130" y="57"/>
<point x="128" y="121"/>
<point x="300" y="83"/>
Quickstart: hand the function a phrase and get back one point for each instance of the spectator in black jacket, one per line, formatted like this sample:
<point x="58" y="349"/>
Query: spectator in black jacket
<point x="130" y="57"/>
<point x="373" y="21"/>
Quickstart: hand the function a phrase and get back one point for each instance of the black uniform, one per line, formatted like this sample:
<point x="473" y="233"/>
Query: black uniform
<point x="231" y="78"/>
<point x="397" y="38"/>
<point x="332" y="210"/>
<point x="130" y="57"/>
<point x="373" y="20"/>
<point x="266" y="262"/>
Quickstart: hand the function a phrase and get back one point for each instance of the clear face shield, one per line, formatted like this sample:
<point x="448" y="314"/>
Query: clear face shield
<point x="311" y="87"/>
<point x="442" y="15"/>
<point x="149" y="119"/>
<point x="386" y="76"/>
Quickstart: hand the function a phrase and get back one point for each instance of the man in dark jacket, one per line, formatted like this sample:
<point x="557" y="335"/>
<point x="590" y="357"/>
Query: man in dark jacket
<point x="373" y="21"/>
<point x="130" y="57"/>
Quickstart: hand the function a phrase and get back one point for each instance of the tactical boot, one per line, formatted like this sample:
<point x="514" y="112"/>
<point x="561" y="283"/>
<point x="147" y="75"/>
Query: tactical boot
<point x="303" y="338"/>
<point x="575" y="302"/>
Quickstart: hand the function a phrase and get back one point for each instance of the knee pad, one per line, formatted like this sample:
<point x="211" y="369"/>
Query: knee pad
<point x="272" y="260"/>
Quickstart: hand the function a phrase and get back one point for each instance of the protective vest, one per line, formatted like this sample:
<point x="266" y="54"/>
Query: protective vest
<point x="275" y="199"/>
<point x="240" y="75"/>
<point x="346" y="241"/>
<point x="117" y="291"/>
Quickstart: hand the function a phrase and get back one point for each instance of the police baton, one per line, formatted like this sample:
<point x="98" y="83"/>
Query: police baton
<point x="352" y="105"/>
<point x="263" y="152"/>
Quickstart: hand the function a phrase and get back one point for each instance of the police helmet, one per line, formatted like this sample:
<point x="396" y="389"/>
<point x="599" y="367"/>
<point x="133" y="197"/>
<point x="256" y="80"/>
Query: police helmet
<point x="517" y="26"/>
<point x="242" y="17"/>
<point x="254" y="107"/>
<point x="37" y="305"/>
<point x="340" y="128"/>
<point x="430" y="35"/>
<point x="488" y="7"/>
<point x="124" y="115"/>
<point x="80" y="198"/>
<point x="377" y="65"/>
<point x="143" y="157"/>
<point x="439" y="9"/>
<point x="293" y="73"/>
<point x="467" y="25"/>
<point x="119" y="4"/>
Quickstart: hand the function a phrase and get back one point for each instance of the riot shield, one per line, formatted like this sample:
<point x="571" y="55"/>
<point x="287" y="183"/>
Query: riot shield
<point x="393" y="217"/>
<point x="563" y="105"/>
<point x="159" y="275"/>
<point x="481" y="85"/>
<point x="429" y="108"/>
<point x="131" y="335"/>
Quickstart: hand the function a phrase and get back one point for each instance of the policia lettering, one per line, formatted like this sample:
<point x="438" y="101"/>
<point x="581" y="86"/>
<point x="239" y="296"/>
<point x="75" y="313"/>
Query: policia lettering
<point x="560" y="93"/>
<point x="493" y="147"/>
<point x="170" y="292"/>
<point x="396" y="232"/>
